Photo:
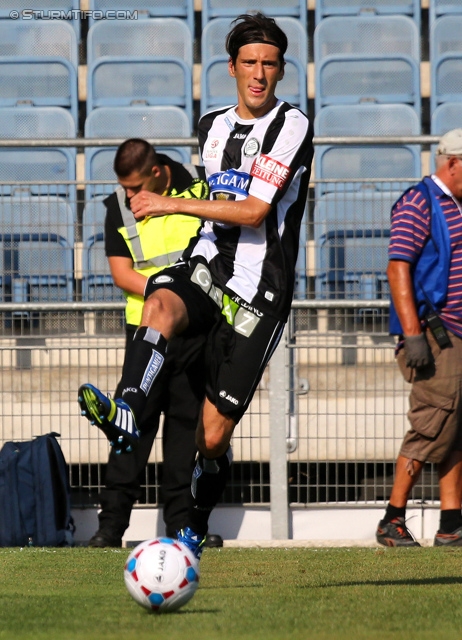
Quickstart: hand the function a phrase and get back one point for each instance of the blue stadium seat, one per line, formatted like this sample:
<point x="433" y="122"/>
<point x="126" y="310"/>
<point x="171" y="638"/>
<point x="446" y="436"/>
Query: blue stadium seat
<point x="130" y="122"/>
<point x="326" y="8"/>
<point x="38" y="164"/>
<point x="97" y="282"/>
<point x="446" y="60"/>
<point x="356" y="164"/>
<point x="353" y="264"/>
<point x="38" y="64"/>
<point x="218" y="89"/>
<point x="147" y="61"/>
<point x="212" y="9"/>
<point x="183" y="9"/>
<point x="438" y="8"/>
<point x="351" y="232"/>
<point x="47" y="9"/>
<point x="36" y="249"/>
<point x="367" y="58"/>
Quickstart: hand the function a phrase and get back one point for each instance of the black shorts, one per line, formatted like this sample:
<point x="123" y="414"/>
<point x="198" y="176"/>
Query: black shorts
<point x="239" y="338"/>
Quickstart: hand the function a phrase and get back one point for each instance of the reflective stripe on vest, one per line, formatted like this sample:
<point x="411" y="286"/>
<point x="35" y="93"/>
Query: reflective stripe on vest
<point x="163" y="239"/>
<point x="132" y="234"/>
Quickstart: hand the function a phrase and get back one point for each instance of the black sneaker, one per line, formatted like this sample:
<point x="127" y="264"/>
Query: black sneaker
<point x="395" y="534"/>
<point x="103" y="539"/>
<point x="453" y="539"/>
<point x="213" y="541"/>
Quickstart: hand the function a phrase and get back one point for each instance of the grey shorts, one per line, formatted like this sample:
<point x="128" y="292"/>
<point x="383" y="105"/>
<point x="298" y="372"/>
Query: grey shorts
<point x="435" y="403"/>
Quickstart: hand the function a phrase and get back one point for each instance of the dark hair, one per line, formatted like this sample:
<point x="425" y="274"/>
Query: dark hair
<point x="253" y="28"/>
<point x="135" y="154"/>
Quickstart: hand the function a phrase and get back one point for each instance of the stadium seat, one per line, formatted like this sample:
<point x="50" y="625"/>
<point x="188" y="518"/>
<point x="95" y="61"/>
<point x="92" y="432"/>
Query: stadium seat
<point x="367" y="58"/>
<point x="446" y="60"/>
<point x="351" y="232"/>
<point x="66" y="7"/>
<point x="143" y="62"/>
<point x="218" y="89"/>
<point x="439" y="8"/>
<point x="353" y="264"/>
<point x="38" y="64"/>
<point x="130" y="122"/>
<point x="97" y="282"/>
<point x="183" y="9"/>
<point x="38" y="164"/>
<point x="353" y="165"/>
<point x="36" y="249"/>
<point x="326" y="8"/>
<point x="212" y="9"/>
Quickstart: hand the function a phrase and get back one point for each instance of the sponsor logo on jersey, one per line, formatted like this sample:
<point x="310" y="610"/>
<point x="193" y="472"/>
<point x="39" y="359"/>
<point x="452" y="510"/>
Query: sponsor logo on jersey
<point x="227" y="396"/>
<point x="242" y="303"/>
<point x="252" y="147"/>
<point x="229" y="124"/>
<point x="239" y="136"/>
<point x="242" y="318"/>
<point x="270" y="171"/>
<point x="213" y="148"/>
<point x="231" y="181"/>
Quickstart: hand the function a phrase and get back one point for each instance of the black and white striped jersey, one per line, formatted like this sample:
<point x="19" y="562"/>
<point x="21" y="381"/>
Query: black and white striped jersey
<point x="269" y="158"/>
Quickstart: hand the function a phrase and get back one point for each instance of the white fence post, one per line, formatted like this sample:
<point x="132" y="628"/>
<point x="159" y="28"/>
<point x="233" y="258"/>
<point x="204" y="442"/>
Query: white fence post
<point x="278" y="442"/>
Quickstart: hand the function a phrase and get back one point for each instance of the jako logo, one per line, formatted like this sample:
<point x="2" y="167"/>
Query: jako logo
<point x="226" y="396"/>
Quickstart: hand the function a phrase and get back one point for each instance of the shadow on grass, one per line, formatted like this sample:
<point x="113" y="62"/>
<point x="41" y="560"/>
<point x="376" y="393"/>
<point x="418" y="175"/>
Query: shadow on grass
<point x="189" y="612"/>
<point x="387" y="583"/>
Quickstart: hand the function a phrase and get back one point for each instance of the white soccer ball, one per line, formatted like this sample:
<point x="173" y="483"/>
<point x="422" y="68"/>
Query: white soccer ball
<point x="161" y="574"/>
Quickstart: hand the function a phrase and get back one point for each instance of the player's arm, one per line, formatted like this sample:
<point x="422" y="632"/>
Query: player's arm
<point x="249" y="212"/>
<point x="125" y="276"/>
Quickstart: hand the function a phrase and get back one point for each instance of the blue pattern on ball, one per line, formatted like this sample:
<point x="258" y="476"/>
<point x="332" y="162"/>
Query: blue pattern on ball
<point x="131" y="565"/>
<point x="156" y="599"/>
<point x="191" y="574"/>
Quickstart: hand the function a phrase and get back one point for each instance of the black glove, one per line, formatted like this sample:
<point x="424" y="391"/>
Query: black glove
<point x="417" y="351"/>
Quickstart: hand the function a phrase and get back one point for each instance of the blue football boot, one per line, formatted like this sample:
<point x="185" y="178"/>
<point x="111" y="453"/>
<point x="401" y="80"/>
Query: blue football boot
<point x="113" y="417"/>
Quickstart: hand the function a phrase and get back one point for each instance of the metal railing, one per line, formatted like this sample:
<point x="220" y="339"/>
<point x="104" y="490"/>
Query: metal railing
<point x="325" y="423"/>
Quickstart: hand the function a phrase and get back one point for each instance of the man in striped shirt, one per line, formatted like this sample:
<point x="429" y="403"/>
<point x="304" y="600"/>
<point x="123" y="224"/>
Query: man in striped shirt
<point x="234" y="283"/>
<point x="425" y="276"/>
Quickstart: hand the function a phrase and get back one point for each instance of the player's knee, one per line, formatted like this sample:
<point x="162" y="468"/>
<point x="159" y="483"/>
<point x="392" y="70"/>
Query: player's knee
<point x="152" y="305"/>
<point x="213" y="444"/>
<point x="155" y="314"/>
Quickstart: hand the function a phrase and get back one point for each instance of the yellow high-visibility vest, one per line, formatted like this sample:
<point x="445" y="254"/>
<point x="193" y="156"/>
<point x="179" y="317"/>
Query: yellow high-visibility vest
<point x="156" y="243"/>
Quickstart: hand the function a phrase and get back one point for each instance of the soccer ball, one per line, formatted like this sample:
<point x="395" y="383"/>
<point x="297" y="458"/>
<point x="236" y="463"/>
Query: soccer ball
<point x="161" y="574"/>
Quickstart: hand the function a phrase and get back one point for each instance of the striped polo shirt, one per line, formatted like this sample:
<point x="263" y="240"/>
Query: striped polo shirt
<point x="410" y="228"/>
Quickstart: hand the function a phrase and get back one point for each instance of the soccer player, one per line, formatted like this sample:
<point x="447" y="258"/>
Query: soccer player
<point x="136" y="251"/>
<point x="234" y="283"/>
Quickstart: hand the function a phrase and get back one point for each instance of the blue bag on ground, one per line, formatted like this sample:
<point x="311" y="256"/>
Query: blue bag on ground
<point x="35" y="506"/>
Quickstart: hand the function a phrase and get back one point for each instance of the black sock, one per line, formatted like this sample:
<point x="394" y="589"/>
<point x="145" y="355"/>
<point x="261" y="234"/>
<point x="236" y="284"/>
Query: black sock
<point x="450" y="520"/>
<point x="208" y="484"/>
<point x="143" y="362"/>
<point x="394" y="512"/>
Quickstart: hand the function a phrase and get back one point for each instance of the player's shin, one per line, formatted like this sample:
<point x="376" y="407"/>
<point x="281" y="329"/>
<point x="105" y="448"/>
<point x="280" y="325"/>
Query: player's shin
<point x="208" y="483"/>
<point x="143" y="363"/>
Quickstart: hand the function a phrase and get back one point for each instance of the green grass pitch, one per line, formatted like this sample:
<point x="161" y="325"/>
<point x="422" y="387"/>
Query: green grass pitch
<point x="254" y="594"/>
